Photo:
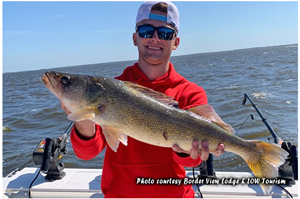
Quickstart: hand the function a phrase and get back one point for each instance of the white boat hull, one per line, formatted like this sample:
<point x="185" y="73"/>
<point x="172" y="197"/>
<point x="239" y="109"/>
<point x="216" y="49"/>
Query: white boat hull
<point x="85" y="183"/>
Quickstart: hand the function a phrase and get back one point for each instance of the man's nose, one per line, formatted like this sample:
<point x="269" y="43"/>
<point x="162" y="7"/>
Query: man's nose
<point x="155" y="35"/>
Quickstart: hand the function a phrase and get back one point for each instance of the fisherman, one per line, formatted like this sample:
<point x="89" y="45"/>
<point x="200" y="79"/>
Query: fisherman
<point x="155" y="36"/>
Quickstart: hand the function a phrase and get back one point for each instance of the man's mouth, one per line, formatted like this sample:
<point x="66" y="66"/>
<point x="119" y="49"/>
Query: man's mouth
<point x="154" y="48"/>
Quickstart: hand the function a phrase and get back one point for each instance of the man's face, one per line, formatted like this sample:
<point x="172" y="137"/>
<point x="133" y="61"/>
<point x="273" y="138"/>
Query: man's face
<point x="153" y="50"/>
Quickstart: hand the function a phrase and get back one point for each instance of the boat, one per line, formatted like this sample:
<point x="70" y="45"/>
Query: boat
<point x="52" y="180"/>
<point x="85" y="183"/>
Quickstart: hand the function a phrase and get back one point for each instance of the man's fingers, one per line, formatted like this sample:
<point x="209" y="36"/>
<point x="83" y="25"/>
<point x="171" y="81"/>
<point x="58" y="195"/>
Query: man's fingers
<point x="177" y="149"/>
<point x="220" y="150"/>
<point x="195" y="149"/>
<point x="204" y="151"/>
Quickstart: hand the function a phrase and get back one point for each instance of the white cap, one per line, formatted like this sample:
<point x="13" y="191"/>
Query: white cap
<point x="172" y="17"/>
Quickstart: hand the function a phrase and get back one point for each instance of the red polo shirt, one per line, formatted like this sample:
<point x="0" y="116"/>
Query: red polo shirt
<point x="140" y="160"/>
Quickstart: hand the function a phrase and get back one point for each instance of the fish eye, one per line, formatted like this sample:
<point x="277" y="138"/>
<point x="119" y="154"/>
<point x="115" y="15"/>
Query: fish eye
<point x="65" y="79"/>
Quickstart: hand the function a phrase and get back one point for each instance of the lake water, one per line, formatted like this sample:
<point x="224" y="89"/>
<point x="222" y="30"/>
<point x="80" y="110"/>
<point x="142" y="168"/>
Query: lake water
<point x="269" y="75"/>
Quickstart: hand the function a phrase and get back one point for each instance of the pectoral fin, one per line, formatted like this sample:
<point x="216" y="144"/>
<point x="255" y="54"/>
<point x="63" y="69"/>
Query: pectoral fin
<point x="113" y="137"/>
<point x="208" y="111"/>
<point x="83" y="114"/>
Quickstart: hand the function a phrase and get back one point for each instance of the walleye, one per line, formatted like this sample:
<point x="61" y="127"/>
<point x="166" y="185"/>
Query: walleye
<point x="127" y="109"/>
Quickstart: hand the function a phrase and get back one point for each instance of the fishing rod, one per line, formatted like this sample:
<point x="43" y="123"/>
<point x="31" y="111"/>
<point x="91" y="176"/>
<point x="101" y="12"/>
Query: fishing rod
<point x="277" y="139"/>
<point x="289" y="170"/>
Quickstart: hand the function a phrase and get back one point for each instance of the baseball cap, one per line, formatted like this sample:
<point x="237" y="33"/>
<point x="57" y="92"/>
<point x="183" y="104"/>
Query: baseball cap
<point x="172" y="17"/>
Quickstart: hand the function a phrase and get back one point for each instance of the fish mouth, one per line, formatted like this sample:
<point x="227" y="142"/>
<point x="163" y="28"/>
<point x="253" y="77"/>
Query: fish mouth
<point x="46" y="79"/>
<point x="49" y="80"/>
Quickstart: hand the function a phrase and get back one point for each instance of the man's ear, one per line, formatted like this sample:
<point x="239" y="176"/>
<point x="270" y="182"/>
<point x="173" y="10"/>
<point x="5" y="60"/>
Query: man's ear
<point x="176" y="44"/>
<point x="134" y="38"/>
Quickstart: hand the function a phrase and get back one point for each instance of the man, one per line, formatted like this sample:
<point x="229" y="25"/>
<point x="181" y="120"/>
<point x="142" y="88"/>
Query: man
<point x="157" y="26"/>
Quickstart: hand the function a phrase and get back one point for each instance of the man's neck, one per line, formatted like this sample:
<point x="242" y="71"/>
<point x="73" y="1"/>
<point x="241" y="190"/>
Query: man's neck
<point x="154" y="72"/>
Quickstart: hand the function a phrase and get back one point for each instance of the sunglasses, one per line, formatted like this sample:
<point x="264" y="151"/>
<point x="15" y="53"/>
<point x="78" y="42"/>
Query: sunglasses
<point x="147" y="31"/>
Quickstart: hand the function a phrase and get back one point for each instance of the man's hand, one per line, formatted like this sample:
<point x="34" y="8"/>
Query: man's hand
<point x="85" y="127"/>
<point x="203" y="152"/>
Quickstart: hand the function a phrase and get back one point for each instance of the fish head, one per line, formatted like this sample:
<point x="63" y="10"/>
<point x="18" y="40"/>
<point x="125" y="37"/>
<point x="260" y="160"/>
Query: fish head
<point x="73" y="90"/>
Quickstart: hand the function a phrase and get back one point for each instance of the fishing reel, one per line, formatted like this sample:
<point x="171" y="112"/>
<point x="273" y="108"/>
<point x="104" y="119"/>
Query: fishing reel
<point x="289" y="169"/>
<point x="48" y="154"/>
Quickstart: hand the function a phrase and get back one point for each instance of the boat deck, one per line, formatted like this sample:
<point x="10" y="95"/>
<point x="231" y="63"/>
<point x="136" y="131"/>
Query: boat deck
<point x="85" y="183"/>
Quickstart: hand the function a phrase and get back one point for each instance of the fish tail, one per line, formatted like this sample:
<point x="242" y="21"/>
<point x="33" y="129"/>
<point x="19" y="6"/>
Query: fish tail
<point x="264" y="161"/>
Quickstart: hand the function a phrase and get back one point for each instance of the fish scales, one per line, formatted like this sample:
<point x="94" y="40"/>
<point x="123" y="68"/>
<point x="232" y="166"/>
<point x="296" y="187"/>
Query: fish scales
<point x="145" y="115"/>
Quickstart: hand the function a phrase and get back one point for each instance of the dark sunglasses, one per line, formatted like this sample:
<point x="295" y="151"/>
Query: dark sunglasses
<point x="147" y="31"/>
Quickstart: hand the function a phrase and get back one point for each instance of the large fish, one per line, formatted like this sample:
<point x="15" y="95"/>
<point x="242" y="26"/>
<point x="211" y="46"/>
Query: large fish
<point x="127" y="109"/>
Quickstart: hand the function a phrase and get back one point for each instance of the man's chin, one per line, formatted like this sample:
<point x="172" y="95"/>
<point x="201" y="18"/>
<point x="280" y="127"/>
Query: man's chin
<point x="154" y="60"/>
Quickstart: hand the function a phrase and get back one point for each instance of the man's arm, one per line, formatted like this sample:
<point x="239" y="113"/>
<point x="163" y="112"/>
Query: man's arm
<point x="87" y="148"/>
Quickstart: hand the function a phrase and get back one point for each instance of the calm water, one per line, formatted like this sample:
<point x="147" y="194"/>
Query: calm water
<point x="269" y="75"/>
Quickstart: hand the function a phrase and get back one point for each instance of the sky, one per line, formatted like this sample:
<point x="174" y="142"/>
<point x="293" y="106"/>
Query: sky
<point x="42" y="35"/>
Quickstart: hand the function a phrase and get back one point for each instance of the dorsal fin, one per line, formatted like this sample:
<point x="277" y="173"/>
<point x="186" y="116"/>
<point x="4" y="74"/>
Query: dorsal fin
<point x="152" y="93"/>
<point x="208" y="111"/>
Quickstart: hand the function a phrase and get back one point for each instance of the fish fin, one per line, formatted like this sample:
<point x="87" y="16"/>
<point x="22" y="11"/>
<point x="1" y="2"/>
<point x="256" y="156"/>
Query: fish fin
<point x="113" y="137"/>
<point x="83" y="114"/>
<point x="208" y="112"/>
<point x="152" y="93"/>
<point x="264" y="161"/>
